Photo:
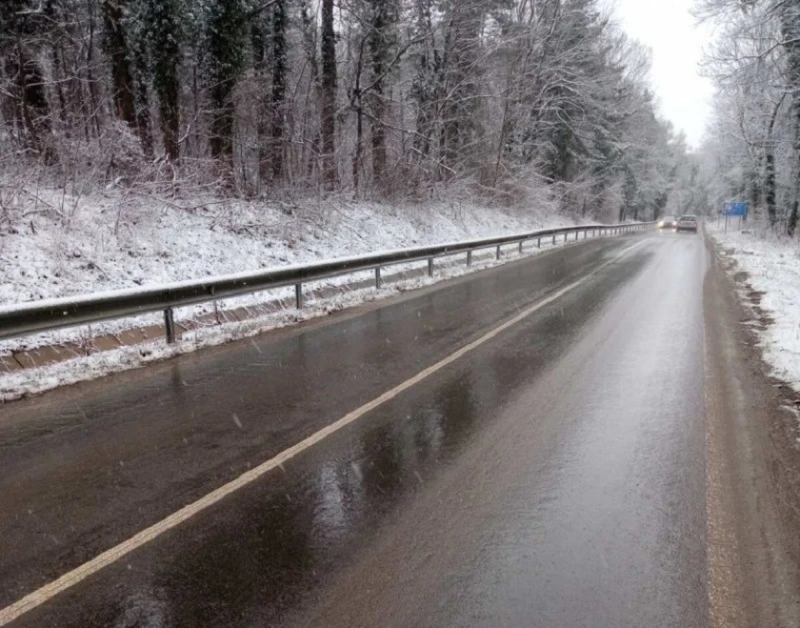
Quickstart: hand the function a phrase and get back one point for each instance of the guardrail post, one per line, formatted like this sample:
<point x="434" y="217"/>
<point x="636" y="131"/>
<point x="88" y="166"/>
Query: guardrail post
<point x="554" y="239"/>
<point x="566" y="235"/>
<point x="377" y="276"/>
<point x="585" y="234"/>
<point x="430" y="267"/>
<point x="469" y="258"/>
<point x="498" y="251"/>
<point x="538" y="243"/>
<point x="520" y="247"/>
<point x="169" y="325"/>
<point x="298" y="295"/>
<point x="577" y="233"/>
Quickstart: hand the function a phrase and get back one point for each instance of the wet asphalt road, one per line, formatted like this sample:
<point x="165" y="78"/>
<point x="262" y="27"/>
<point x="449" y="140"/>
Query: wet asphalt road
<point x="553" y="476"/>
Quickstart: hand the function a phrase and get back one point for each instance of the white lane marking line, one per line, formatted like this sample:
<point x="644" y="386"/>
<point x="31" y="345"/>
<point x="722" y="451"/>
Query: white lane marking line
<point x="71" y="578"/>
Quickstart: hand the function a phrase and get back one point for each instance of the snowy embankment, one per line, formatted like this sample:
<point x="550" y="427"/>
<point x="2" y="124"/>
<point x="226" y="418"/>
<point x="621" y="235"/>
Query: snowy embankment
<point x="772" y="264"/>
<point x="54" y="246"/>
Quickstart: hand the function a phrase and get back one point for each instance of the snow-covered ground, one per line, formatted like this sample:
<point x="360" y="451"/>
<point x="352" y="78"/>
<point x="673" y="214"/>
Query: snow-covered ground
<point x="57" y="247"/>
<point x="773" y="267"/>
<point x="53" y="246"/>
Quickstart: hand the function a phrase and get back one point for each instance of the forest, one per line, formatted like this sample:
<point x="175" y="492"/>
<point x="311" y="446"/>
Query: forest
<point x="373" y="99"/>
<point x="751" y="152"/>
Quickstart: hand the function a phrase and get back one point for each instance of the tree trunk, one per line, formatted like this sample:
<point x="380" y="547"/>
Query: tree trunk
<point x="790" y="27"/>
<point x="260" y="46"/>
<point x="117" y="50"/>
<point x="169" y="109"/>
<point x="769" y="166"/>
<point x="278" y="87"/>
<point x="34" y="109"/>
<point x="55" y="59"/>
<point x="425" y="81"/>
<point x="359" y="143"/>
<point x="328" y="109"/>
<point x="461" y="75"/>
<point x="221" y="140"/>
<point x="142" y="102"/>
<point x="10" y="100"/>
<point x="95" y="107"/>
<point x="505" y="125"/>
<point x="165" y="34"/>
<point x="378" y="46"/>
<point x="312" y="151"/>
<point x="357" y="105"/>
<point x="769" y="186"/>
<point x="226" y="39"/>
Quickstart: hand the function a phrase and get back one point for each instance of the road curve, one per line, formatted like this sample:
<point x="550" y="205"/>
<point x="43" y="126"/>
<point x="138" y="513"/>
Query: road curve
<point x="555" y="474"/>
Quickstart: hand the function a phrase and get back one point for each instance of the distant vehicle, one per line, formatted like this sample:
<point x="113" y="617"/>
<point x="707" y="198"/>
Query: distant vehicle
<point x="668" y="222"/>
<point x="687" y="223"/>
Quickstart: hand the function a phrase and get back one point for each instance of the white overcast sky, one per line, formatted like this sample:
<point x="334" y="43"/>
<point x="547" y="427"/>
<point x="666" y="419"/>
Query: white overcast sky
<point x="669" y="30"/>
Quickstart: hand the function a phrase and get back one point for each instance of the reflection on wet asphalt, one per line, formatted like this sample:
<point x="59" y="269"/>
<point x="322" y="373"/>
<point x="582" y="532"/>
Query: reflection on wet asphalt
<point x="551" y="477"/>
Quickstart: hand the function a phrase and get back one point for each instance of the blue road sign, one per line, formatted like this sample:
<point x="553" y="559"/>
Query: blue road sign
<point x="736" y="208"/>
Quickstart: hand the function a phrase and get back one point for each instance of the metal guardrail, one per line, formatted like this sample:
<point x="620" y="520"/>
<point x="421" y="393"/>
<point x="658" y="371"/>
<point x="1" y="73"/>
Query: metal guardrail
<point x="51" y="314"/>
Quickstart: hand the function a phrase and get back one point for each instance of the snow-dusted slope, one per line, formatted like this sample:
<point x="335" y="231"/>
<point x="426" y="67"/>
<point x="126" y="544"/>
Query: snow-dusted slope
<point x="773" y="267"/>
<point x="109" y="243"/>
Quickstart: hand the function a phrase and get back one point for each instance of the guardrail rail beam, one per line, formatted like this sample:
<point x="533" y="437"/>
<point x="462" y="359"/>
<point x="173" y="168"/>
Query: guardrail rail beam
<point x="51" y="314"/>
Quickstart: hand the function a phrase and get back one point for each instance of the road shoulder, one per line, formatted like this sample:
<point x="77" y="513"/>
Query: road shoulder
<point x="753" y="469"/>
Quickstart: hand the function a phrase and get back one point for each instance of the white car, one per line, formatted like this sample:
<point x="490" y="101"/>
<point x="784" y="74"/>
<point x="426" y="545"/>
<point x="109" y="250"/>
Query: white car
<point x="687" y="223"/>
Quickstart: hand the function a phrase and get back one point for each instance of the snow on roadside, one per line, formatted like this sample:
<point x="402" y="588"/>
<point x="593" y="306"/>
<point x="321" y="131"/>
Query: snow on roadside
<point x="773" y="267"/>
<point x="107" y="243"/>
<point x="59" y="246"/>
